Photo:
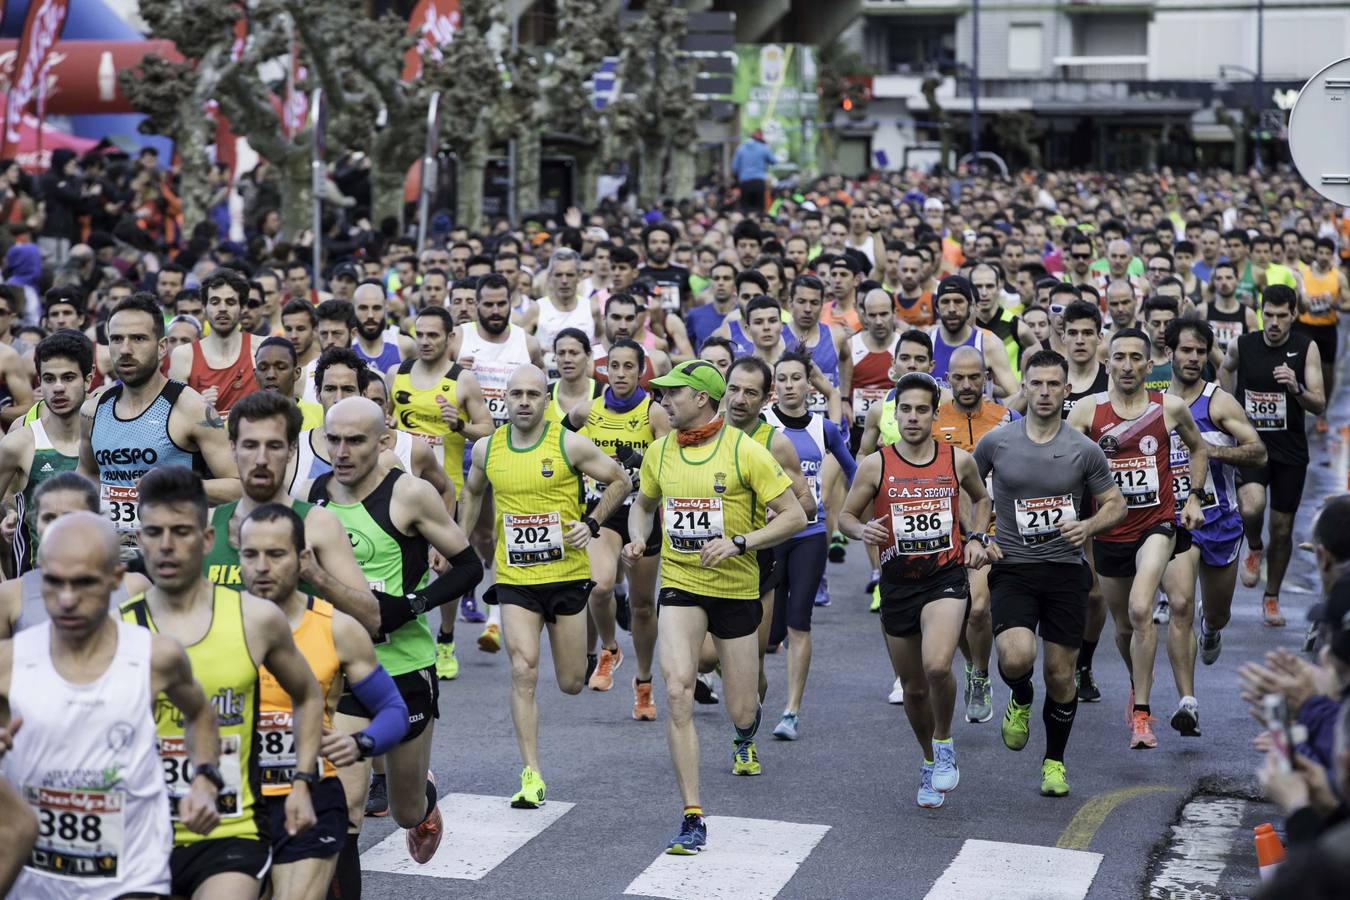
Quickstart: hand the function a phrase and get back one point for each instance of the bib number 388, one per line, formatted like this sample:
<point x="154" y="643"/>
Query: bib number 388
<point x="79" y="832"/>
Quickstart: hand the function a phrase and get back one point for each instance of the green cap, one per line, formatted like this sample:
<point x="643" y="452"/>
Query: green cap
<point x="696" y="374"/>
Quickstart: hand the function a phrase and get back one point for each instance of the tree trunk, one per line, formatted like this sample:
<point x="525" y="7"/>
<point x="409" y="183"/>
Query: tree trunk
<point x="195" y="166"/>
<point x="587" y="187"/>
<point x="297" y="199"/>
<point x="649" y="176"/>
<point x="529" y="158"/>
<point x="469" y="174"/>
<point x="386" y="188"/>
<point x="683" y="169"/>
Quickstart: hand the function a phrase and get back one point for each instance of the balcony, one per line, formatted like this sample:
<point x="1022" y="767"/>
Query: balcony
<point x="1102" y="68"/>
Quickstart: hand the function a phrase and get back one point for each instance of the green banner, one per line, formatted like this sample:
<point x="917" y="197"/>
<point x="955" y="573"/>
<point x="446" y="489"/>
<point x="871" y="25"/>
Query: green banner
<point x="776" y="91"/>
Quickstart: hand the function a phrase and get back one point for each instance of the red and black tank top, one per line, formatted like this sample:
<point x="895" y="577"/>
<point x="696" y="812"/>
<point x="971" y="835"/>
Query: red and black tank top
<point x="921" y="506"/>
<point x="1137" y="451"/>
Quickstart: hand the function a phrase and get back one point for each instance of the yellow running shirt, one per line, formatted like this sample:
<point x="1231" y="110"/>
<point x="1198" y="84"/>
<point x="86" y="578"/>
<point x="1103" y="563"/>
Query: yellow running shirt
<point x="537" y="493"/>
<point x="417" y="412"/>
<point x="709" y="491"/>
<point x="227" y="673"/>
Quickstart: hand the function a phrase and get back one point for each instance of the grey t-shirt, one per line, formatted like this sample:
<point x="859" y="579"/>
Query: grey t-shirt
<point x="1039" y="487"/>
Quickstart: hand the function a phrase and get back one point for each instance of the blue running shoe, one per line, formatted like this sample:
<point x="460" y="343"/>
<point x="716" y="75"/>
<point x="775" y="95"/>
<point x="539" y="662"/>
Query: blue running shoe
<point x="787" y="727"/>
<point x="823" y="594"/>
<point x="469" y="611"/>
<point x="946" y="776"/>
<point x="692" y="838"/>
<point x="929" y="796"/>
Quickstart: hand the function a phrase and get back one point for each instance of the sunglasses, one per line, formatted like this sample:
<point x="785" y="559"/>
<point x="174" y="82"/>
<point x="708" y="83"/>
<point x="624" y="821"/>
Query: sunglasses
<point x="1057" y="309"/>
<point x="251" y="303"/>
<point x="1081" y="255"/>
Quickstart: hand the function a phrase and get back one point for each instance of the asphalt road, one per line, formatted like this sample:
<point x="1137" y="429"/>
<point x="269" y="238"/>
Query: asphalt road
<point x="854" y="771"/>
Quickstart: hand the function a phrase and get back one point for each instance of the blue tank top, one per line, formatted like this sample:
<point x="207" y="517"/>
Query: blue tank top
<point x="389" y="356"/>
<point x="1220" y="480"/>
<point x="125" y="449"/>
<point x="809" y="442"/>
<point x="744" y="346"/>
<point x="942" y="352"/>
<point x="701" y="321"/>
<point x="823" y="353"/>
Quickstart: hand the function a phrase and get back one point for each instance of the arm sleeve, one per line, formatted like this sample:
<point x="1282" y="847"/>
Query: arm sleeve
<point x="835" y="443"/>
<point x="397" y="610"/>
<point x="389" y="714"/>
<point x="1319" y="716"/>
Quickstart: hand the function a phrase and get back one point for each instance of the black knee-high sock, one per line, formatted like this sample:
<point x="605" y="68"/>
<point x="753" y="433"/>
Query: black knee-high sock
<point x="431" y="800"/>
<point x="347" y="879"/>
<point x="1085" y="654"/>
<point x="1058" y="719"/>
<point x="1021" y="688"/>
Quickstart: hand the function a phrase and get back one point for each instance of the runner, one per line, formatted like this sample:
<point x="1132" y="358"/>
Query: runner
<point x="961" y="423"/>
<point x="924" y="591"/>
<point x="274" y="550"/>
<point x="1327" y="293"/>
<point x="955" y="303"/>
<point x="535" y="469"/>
<point x="873" y="353"/>
<point x="276" y="366"/>
<point x="622" y="423"/>
<point x="1039" y="581"/>
<point x="623" y="321"/>
<point x="413" y="456"/>
<point x="394" y="519"/>
<point x="338" y="374"/>
<point x="1276" y="375"/>
<point x="1213" y="556"/>
<point x="749" y="385"/>
<point x="990" y="315"/>
<point x="228" y="636"/>
<point x="562" y="308"/>
<point x="1131" y="425"/>
<point x="572" y="350"/>
<point x="708" y="480"/>
<point x="913" y="305"/>
<point x="1229" y="318"/>
<point x="21" y="598"/>
<point x="220" y="365"/>
<point x="148" y="421"/>
<point x="377" y="342"/>
<point x="299" y="324"/>
<point x="114" y="674"/>
<point x="50" y="444"/>
<point x="801" y="559"/>
<point x="703" y="320"/>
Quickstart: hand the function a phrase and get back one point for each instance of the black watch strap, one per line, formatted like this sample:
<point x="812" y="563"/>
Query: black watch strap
<point x="593" y="525"/>
<point x="210" y="773"/>
<point x="739" y="541"/>
<point x="365" y="744"/>
<point x="309" y="778"/>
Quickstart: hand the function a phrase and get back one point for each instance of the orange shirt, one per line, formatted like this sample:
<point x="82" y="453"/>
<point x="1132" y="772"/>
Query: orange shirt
<point x="955" y="426"/>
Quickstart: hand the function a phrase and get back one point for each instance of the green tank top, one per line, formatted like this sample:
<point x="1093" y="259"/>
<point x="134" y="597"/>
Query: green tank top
<point x="393" y="563"/>
<point x="47" y="461"/>
<point x="229" y="676"/>
<point x="221" y="563"/>
<point x="890" y="432"/>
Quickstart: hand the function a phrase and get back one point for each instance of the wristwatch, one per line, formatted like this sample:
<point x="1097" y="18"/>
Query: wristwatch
<point x="365" y="745"/>
<point x="739" y="541"/>
<point x="1298" y="389"/>
<point x="982" y="537"/>
<point x="593" y="525"/>
<point x="210" y="773"/>
<point x="309" y="778"/>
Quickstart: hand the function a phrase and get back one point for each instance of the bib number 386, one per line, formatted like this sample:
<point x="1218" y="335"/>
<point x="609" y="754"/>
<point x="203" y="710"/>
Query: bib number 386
<point x="921" y="526"/>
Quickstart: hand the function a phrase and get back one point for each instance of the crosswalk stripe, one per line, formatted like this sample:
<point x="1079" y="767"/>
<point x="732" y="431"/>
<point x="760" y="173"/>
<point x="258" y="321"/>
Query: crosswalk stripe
<point x="1020" y="872"/>
<point x="479" y="836"/>
<point x="746" y="859"/>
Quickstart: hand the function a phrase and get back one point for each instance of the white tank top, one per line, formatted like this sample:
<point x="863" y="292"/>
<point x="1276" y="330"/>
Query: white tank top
<point x="310" y="393"/>
<point x="98" y="789"/>
<point x="494" y="363"/>
<point x="553" y="320"/>
<point x="403" y="449"/>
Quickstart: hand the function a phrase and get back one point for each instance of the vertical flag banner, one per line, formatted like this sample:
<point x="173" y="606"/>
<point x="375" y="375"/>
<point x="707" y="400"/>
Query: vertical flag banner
<point x="435" y="23"/>
<point x="41" y="30"/>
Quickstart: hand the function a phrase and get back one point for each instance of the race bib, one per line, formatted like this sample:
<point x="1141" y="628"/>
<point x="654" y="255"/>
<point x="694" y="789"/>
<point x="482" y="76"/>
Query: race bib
<point x="1137" y="478"/>
<point x="816" y="403"/>
<point x="495" y="398"/>
<point x="533" y="539"/>
<point x="1319" y="305"/>
<point x="813" y="485"/>
<point x="551" y="367"/>
<point x="1226" y="332"/>
<point x="921" y="526"/>
<point x="863" y="398"/>
<point x="1267" y="409"/>
<point x="691" y="522"/>
<point x="173" y="756"/>
<point x="80" y="833"/>
<point x="1040" y="518"/>
<point x="119" y="505"/>
<point x="670" y="297"/>
<point x="435" y="441"/>
<point x="276" y="748"/>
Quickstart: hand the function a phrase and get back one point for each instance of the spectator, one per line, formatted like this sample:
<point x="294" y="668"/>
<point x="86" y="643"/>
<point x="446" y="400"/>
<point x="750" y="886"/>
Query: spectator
<point x="750" y="167"/>
<point x="63" y="200"/>
<point x="23" y="271"/>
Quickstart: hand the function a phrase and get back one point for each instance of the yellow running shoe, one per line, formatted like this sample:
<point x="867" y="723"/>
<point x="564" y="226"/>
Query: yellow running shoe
<point x="490" y="641"/>
<point x="531" y="793"/>
<point x="745" y="760"/>
<point x="876" y="599"/>
<point x="447" y="666"/>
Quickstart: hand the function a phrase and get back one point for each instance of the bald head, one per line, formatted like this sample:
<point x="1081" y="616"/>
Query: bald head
<point x="359" y="414"/>
<point x="368" y="293"/>
<point x="966" y="359"/>
<point x="80" y="536"/>
<point x="878" y="300"/>
<point x="527" y="376"/>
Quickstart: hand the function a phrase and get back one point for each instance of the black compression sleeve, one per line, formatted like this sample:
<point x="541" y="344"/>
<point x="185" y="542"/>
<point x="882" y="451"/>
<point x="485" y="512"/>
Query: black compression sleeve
<point x="398" y="610"/>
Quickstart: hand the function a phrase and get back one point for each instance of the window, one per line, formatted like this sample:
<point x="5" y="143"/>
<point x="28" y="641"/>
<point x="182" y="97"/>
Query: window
<point x="1024" y="48"/>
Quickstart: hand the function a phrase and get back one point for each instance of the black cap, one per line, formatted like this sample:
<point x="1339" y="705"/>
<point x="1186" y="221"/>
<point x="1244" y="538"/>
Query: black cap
<point x="1334" y="608"/>
<point x="346" y="270"/>
<point x="955" y="284"/>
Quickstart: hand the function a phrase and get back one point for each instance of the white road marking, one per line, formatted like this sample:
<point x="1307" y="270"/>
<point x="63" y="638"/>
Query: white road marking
<point x="1016" y="872"/>
<point x="1204" y="842"/>
<point x="480" y="833"/>
<point x="746" y="859"/>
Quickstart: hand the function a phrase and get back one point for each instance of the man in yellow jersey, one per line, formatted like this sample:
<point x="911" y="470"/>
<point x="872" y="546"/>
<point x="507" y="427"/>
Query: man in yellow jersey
<point x="276" y="367"/>
<point x="622" y="423"/>
<point x="409" y="454"/>
<point x="749" y="383"/>
<point x="961" y="423"/>
<point x="228" y="635"/>
<point x="394" y="520"/>
<point x="274" y="552"/>
<point x="263" y="436"/>
<point x="534" y="468"/>
<point x="707" y="480"/>
<point x="1326" y="294"/>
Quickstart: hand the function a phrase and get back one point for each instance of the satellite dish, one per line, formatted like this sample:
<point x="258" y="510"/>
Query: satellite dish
<point x="1319" y="132"/>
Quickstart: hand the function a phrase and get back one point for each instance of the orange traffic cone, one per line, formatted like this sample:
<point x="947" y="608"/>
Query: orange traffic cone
<point x="1269" y="850"/>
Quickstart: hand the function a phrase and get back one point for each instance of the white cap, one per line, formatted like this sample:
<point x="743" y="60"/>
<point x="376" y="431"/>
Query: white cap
<point x="932" y="204"/>
<point x="596" y="234"/>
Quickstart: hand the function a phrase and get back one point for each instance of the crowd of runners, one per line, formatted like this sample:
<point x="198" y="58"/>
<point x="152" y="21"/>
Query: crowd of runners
<point x="253" y="509"/>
